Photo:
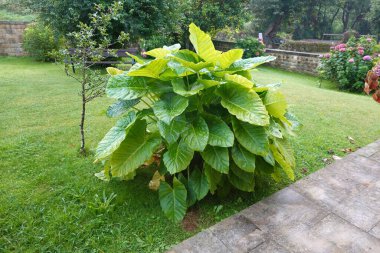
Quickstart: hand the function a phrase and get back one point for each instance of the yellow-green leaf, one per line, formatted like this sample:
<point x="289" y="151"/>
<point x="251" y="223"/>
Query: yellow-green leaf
<point x="158" y="52"/>
<point x="203" y="44"/>
<point x="275" y="103"/>
<point x="238" y="79"/>
<point x="227" y="58"/>
<point x="114" y="71"/>
<point x="152" y="69"/>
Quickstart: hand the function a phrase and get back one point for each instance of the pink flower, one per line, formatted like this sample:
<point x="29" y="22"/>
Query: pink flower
<point x="321" y="56"/>
<point x="341" y="45"/>
<point x="332" y="48"/>
<point x="351" y="60"/>
<point x="367" y="58"/>
<point x="342" y="49"/>
<point x="361" y="52"/>
<point x="360" y="48"/>
<point x="327" y="56"/>
<point x="369" y="39"/>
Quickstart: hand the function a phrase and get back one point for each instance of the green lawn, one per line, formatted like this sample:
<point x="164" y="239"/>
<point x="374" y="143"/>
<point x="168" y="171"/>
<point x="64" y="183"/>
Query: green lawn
<point x="48" y="194"/>
<point x="6" y="15"/>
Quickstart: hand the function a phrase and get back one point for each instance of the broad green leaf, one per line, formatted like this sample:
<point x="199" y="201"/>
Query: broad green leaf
<point x="241" y="179"/>
<point x="158" y="52"/>
<point x="173" y="200"/>
<point x="217" y="158"/>
<point x="136" y="148"/>
<point x="245" y="73"/>
<point x="209" y="83"/>
<point x="263" y="166"/>
<point x="179" y="70"/>
<point x="196" y="134"/>
<point x="181" y="88"/>
<point x="191" y="60"/>
<point x="126" y="87"/>
<point x="151" y="69"/>
<point x="191" y="198"/>
<point x="244" y="159"/>
<point x="244" y="103"/>
<point x="112" y="140"/>
<point x="213" y="177"/>
<point x="170" y="106"/>
<point x="198" y="182"/>
<point x="172" y="131"/>
<point x="275" y="129"/>
<point x="178" y="157"/>
<point x="187" y="56"/>
<point x="238" y="79"/>
<point x="269" y="158"/>
<point x="253" y="138"/>
<point x="203" y="44"/>
<point x="225" y="59"/>
<point x="275" y="103"/>
<point x="284" y="157"/>
<point x="136" y="58"/>
<point x="250" y="63"/>
<point x="160" y="87"/>
<point x="121" y="107"/>
<point x="114" y="71"/>
<point x="219" y="132"/>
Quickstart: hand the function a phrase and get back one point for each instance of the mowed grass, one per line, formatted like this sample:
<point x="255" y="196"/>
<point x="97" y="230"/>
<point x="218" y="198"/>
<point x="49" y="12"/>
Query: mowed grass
<point x="50" y="200"/>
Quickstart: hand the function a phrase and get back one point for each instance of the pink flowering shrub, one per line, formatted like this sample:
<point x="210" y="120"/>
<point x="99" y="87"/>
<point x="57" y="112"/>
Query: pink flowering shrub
<point x="348" y="64"/>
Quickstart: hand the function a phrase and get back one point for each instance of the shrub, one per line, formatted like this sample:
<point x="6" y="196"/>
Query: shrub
<point x="348" y="64"/>
<point x="201" y="118"/>
<point x="252" y="47"/>
<point x="39" y="41"/>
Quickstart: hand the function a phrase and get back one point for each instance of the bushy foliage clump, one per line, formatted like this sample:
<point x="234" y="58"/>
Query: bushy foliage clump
<point x="348" y="64"/>
<point x="39" y="41"/>
<point x="252" y="47"/>
<point x="201" y="118"/>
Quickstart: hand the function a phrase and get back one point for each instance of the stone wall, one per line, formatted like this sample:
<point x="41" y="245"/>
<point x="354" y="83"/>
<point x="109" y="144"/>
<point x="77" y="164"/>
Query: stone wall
<point x="223" y="45"/>
<point x="11" y="38"/>
<point x="295" y="61"/>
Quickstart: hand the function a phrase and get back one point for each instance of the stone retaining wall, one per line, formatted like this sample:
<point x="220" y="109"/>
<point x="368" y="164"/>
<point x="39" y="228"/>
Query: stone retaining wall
<point x="11" y="38"/>
<point x="295" y="61"/>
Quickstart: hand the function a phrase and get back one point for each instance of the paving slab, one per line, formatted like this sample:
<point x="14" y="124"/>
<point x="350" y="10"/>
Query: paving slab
<point x="336" y="209"/>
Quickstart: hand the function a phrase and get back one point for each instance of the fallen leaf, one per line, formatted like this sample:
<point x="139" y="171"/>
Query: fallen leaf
<point x="327" y="160"/>
<point x="330" y="152"/>
<point x="154" y="184"/>
<point x="350" y="139"/>
<point x="304" y="170"/>
<point x="335" y="157"/>
<point x="347" y="150"/>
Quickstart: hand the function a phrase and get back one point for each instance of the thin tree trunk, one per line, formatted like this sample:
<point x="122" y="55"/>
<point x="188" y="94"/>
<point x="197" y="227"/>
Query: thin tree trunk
<point x="82" y="147"/>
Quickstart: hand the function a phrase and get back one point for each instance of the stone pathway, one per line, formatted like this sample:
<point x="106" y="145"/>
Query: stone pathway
<point x="336" y="209"/>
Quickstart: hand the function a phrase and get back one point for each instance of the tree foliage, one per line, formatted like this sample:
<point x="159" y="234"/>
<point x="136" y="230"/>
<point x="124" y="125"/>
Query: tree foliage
<point x="313" y="18"/>
<point x="202" y="113"/>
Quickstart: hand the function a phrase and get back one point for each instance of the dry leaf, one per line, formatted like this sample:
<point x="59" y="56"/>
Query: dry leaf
<point x="154" y="184"/>
<point x="335" y="157"/>
<point x="350" y="139"/>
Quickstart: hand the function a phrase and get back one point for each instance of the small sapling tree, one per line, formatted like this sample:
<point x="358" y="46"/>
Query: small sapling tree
<point x="85" y="47"/>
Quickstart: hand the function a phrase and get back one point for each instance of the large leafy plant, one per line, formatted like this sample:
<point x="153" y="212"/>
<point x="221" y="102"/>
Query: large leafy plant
<point x="201" y="117"/>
